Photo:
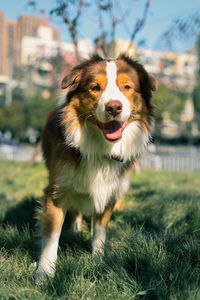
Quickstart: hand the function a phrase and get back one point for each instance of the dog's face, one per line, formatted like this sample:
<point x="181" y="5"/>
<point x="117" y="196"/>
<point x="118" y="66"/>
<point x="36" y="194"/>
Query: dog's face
<point x="110" y="94"/>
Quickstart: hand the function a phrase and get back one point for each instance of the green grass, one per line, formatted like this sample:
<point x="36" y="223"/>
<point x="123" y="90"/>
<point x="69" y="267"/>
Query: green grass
<point x="152" y="249"/>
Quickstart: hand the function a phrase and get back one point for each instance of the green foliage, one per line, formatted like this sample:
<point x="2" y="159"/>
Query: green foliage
<point x="13" y="118"/>
<point x="196" y="99"/>
<point x="32" y="112"/>
<point x="36" y="110"/>
<point x="152" y="249"/>
<point x="168" y="101"/>
<point x="24" y="113"/>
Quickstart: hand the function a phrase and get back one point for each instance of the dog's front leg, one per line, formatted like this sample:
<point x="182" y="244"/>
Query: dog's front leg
<point x="100" y="224"/>
<point x="52" y="217"/>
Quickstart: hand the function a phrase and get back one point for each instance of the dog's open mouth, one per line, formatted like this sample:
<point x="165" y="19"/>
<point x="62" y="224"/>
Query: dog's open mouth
<point x="112" y="130"/>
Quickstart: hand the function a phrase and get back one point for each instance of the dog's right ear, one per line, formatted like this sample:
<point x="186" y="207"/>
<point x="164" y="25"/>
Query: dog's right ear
<point x="72" y="80"/>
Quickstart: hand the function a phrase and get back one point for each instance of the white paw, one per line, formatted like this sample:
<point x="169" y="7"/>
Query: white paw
<point x="42" y="273"/>
<point x="98" y="247"/>
<point x="98" y="240"/>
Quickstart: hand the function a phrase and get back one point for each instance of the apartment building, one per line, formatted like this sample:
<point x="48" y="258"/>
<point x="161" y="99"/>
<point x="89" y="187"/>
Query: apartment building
<point x="176" y="70"/>
<point x="23" y="41"/>
<point x="11" y="36"/>
<point x="8" y="41"/>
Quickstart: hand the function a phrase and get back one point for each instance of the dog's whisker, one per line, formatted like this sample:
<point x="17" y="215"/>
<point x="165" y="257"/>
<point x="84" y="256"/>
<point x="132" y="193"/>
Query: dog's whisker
<point x="86" y="113"/>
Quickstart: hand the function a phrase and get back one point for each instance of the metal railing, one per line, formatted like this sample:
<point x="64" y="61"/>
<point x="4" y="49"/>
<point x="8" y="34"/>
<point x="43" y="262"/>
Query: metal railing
<point x="176" y="160"/>
<point x="171" y="162"/>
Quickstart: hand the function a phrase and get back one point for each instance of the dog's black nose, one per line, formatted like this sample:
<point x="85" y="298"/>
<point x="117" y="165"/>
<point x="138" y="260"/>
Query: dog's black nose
<point x="114" y="107"/>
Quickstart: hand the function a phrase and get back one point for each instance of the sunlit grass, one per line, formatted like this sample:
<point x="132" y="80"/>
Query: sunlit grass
<point x="152" y="249"/>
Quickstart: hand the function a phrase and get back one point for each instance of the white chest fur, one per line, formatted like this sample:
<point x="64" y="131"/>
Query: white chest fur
<point x="89" y="139"/>
<point x="98" y="180"/>
<point x="92" y="184"/>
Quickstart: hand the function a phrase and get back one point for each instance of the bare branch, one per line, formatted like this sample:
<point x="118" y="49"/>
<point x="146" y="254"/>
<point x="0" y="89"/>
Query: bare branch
<point x="181" y="29"/>
<point x="127" y="11"/>
<point x="72" y="23"/>
<point x="140" y="23"/>
<point x="106" y="39"/>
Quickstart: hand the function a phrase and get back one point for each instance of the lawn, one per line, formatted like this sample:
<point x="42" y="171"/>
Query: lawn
<point x="152" y="249"/>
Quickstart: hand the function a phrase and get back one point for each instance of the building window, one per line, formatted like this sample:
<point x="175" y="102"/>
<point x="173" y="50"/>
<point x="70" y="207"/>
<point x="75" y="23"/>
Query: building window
<point x="10" y="32"/>
<point x="34" y="32"/>
<point x="167" y="63"/>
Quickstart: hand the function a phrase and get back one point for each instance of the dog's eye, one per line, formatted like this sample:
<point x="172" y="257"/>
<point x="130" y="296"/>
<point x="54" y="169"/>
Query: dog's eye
<point x="96" y="88"/>
<point x="127" y="87"/>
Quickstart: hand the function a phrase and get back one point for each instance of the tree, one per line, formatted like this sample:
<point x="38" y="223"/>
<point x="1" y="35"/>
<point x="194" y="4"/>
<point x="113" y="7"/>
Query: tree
<point x="196" y="99"/>
<point x="36" y="110"/>
<point x="187" y="29"/>
<point x="182" y="29"/>
<point x="167" y="103"/>
<point x="12" y="118"/>
<point x="24" y="113"/>
<point x="64" y="10"/>
<point x="196" y="102"/>
<point x="71" y="11"/>
<point x="104" y="48"/>
<point x="58" y="65"/>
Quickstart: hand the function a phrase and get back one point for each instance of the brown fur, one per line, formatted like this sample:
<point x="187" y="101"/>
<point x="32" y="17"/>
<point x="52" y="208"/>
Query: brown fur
<point x="85" y="85"/>
<point x="103" y="219"/>
<point x="80" y="105"/>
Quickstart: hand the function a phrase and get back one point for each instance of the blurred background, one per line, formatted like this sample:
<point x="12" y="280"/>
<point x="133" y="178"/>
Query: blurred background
<point x="40" y="41"/>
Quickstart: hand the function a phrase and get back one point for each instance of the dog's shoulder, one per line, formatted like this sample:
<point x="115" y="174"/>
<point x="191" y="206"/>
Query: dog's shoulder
<point x="54" y="144"/>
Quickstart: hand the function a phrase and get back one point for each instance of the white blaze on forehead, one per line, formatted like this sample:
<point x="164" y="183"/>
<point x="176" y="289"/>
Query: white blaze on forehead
<point x="111" y="70"/>
<point x="112" y="92"/>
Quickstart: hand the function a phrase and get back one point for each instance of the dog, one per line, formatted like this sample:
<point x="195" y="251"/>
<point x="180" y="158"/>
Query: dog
<point x="90" y="143"/>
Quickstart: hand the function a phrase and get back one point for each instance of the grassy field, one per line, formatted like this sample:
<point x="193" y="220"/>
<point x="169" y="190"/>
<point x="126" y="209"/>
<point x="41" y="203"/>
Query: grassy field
<point x="152" y="249"/>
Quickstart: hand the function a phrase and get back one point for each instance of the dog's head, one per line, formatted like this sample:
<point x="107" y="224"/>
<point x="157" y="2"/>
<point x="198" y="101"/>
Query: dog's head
<point x="110" y="94"/>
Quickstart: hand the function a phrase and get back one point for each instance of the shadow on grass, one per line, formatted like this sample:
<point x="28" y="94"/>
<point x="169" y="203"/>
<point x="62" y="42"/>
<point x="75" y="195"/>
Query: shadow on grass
<point x="142" y="218"/>
<point x="20" y="221"/>
<point x="22" y="214"/>
<point x="17" y="227"/>
<point x="160" y="262"/>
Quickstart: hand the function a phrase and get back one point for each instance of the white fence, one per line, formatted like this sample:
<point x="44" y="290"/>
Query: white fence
<point x="23" y="153"/>
<point x="165" y="158"/>
<point x="172" y="162"/>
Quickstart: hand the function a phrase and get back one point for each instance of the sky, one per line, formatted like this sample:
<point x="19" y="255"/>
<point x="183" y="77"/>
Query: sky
<point x="160" y="16"/>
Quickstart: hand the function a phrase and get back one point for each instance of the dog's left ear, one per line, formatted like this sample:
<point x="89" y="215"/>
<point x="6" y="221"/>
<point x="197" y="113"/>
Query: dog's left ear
<point x="146" y="80"/>
<point x="153" y="82"/>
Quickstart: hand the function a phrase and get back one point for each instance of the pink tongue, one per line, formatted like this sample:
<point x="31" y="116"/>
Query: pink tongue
<point x="113" y="130"/>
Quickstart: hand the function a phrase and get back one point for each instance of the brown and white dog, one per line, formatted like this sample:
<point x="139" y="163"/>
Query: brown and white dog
<point x="90" y="143"/>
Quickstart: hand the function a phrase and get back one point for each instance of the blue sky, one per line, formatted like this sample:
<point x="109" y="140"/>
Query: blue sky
<point x="161" y="15"/>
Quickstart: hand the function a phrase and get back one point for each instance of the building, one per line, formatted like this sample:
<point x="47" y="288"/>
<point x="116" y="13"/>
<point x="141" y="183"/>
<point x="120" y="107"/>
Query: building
<point x="30" y="41"/>
<point x="28" y="26"/>
<point x="38" y="51"/>
<point x="125" y="46"/>
<point x="44" y="46"/>
<point x="11" y="36"/>
<point x="176" y="70"/>
<point x="8" y="40"/>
